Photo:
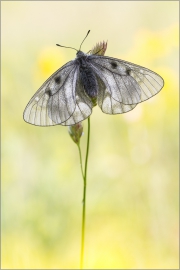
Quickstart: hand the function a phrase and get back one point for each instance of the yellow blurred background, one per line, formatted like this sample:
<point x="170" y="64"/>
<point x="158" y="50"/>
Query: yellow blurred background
<point x="132" y="192"/>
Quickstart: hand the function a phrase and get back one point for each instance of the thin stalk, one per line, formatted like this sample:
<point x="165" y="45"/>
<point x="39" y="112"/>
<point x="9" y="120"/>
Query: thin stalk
<point x="84" y="198"/>
<point x="80" y="156"/>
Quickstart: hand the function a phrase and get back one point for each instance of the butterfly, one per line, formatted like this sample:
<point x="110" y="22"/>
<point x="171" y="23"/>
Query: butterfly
<point x="69" y="95"/>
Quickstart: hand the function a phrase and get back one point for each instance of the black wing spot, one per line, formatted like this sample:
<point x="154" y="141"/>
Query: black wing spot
<point x="128" y="71"/>
<point x="113" y="65"/>
<point x="48" y="92"/>
<point x="57" y="79"/>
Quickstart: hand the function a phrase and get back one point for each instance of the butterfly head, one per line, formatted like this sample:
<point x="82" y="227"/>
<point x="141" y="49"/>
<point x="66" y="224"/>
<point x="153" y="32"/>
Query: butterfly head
<point x="80" y="54"/>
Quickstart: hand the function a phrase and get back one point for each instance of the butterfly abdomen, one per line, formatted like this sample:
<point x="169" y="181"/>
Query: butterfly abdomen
<point x="89" y="82"/>
<point x="88" y="78"/>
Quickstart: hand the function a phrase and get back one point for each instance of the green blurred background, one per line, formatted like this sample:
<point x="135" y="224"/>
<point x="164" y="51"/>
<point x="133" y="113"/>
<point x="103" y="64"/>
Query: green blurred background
<point x="132" y="192"/>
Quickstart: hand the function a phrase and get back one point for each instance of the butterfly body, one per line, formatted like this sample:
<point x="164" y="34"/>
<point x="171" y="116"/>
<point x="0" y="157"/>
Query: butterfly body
<point x="87" y="75"/>
<point x="70" y="94"/>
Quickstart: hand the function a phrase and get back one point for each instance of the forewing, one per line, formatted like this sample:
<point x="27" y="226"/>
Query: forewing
<point x="54" y="102"/>
<point x="126" y="82"/>
<point x="108" y="104"/>
<point x="83" y="106"/>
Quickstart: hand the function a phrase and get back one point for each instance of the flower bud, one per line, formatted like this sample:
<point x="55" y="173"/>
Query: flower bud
<point x="99" y="48"/>
<point x="75" y="132"/>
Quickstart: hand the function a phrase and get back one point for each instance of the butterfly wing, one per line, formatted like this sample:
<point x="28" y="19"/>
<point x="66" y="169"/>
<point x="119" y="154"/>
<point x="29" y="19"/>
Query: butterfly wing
<point x="83" y="105"/>
<point x="54" y="102"/>
<point x="107" y="103"/>
<point x="125" y="82"/>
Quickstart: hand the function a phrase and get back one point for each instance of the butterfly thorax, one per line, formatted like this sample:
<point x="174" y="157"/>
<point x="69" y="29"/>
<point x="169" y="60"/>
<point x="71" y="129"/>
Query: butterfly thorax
<point x="87" y="76"/>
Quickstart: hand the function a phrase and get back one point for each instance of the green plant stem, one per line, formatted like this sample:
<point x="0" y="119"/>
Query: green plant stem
<point x="80" y="156"/>
<point x="84" y="198"/>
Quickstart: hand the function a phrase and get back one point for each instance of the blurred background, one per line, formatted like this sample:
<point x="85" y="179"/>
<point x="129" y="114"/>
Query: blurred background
<point x="132" y="191"/>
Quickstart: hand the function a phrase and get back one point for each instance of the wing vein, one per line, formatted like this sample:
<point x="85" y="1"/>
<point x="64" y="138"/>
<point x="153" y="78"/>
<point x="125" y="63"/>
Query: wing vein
<point x="117" y="86"/>
<point x="145" y="85"/>
<point x="126" y="88"/>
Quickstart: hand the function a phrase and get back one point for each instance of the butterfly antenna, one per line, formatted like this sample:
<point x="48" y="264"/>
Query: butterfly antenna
<point x="84" y="40"/>
<point x="66" y="47"/>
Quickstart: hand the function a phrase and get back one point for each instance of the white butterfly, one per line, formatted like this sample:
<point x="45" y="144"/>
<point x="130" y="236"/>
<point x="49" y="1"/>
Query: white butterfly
<point x="68" y="96"/>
